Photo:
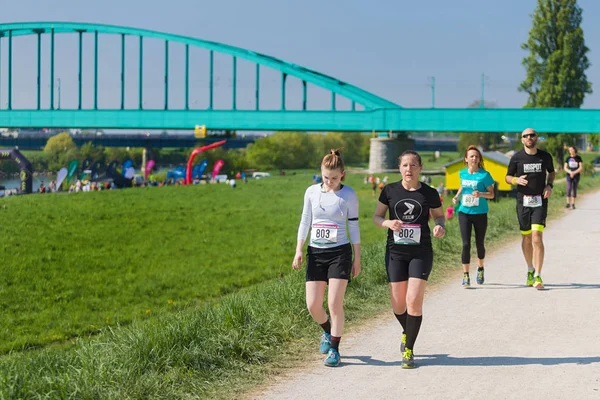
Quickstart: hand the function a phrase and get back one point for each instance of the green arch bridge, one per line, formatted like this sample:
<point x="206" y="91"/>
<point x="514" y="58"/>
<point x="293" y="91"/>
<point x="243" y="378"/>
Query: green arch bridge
<point x="372" y="113"/>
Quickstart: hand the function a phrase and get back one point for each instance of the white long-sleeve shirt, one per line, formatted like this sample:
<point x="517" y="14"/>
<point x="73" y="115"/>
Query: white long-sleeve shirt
<point x="325" y="214"/>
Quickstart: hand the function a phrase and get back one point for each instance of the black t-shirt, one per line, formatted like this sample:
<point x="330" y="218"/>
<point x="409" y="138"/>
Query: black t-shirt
<point x="573" y="163"/>
<point x="410" y="207"/>
<point x="535" y="167"/>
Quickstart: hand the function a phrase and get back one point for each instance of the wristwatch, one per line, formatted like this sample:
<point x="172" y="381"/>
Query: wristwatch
<point x="551" y="185"/>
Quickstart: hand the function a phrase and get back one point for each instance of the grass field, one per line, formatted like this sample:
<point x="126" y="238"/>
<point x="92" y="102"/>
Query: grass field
<point x="188" y="290"/>
<point x="75" y="263"/>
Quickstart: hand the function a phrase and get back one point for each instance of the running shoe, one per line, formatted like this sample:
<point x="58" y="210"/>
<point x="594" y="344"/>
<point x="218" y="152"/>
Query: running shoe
<point x="530" y="279"/>
<point x="538" y="284"/>
<point x="573" y="206"/>
<point x="325" y="343"/>
<point x="333" y="358"/>
<point x="466" y="281"/>
<point x="480" y="277"/>
<point x="403" y="343"/>
<point x="567" y="206"/>
<point x="408" y="361"/>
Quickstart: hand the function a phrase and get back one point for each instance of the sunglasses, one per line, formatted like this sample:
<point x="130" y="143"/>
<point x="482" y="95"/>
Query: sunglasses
<point x="529" y="135"/>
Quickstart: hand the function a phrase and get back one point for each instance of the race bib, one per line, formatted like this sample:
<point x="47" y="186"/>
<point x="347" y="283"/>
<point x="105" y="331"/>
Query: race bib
<point x="573" y="164"/>
<point x="408" y="234"/>
<point x="468" y="200"/>
<point x="532" y="201"/>
<point x="323" y="233"/>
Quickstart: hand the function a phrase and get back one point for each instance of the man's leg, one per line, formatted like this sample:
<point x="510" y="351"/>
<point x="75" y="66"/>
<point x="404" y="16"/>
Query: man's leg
<point x="538" y="250"/>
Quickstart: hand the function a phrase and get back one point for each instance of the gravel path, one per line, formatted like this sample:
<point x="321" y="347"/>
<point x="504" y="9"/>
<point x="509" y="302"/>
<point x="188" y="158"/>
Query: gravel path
<point x="501" y="340"/>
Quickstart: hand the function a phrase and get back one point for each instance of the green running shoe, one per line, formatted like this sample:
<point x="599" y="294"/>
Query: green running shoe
<point x="530" y="279"/>
<point x="480" y="277"/>
<point x="408" y="360"/>
<point x="538" y="284"/>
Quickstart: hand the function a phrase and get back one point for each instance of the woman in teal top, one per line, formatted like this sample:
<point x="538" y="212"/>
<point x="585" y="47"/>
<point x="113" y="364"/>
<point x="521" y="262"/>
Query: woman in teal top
<point x="476" y="187"/>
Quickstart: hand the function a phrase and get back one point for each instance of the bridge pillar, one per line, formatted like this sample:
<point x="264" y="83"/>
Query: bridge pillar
<point x="386" y="149"/>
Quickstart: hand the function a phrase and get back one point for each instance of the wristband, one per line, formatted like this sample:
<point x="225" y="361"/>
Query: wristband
<point x="514" y="181"/>
<point x="551" y="185"/>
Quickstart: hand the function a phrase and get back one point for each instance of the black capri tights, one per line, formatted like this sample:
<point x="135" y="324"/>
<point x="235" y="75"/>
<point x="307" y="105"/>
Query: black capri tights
<point x="467" y="222"/>
<point x="572" y="186"/>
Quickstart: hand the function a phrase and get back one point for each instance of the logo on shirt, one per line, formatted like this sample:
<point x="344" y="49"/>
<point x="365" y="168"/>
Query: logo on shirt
<point x="469" y="184"/>
<point x="408" y="210"/>
<point x="531" y="168"/>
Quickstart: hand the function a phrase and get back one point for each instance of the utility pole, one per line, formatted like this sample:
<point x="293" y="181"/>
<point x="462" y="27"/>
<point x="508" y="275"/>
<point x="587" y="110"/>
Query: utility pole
<point x="481" y="102"/>
<point x="432" y="84"/>
<point x="59" y="93"/>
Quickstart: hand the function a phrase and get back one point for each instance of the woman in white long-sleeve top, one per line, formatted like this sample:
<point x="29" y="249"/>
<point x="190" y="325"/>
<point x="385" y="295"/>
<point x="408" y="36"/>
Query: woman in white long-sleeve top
<point x="328" y="207"/>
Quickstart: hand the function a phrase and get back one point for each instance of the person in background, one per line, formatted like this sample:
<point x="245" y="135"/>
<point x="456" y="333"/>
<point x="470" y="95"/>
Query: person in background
<point x="573" y="168"/>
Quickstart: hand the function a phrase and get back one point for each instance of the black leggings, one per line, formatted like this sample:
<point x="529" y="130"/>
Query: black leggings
<point x="572" y="186"/>
<point x="466" y="221"/>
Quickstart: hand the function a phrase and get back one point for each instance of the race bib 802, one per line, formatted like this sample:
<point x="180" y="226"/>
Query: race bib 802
<point x="408" y="235"/>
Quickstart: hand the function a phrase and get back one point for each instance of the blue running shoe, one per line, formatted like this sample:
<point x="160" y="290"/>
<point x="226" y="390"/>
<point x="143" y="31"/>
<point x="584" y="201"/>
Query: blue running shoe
<point x="466" y="281"/>
<point x="480" y="277"/>
<point x="333" y="358"/>
<point x="325" y="343"/>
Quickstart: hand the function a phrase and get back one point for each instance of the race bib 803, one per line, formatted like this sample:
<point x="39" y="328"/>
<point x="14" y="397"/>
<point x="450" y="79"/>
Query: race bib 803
<point x="324" y="233"/>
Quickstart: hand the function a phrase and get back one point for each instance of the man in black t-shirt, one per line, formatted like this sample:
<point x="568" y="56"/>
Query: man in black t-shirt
<point x="527" y="169"/>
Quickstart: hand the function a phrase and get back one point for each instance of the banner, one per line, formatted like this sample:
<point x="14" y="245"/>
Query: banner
<point x="217" y="168"/>
<point x="60" y="177"/>
<point x="85" y="166"/>
<point x="149" y="167"/>
<point x="179" y="173"/>
<point x="126" y="165"/>
<point x="71" y="169"/>
<point x="130" y="173"/>
<point x="25" y="166"/>
<point x="111" y="169"/>
<point x="199" y="169"/>
<point x="96" y="169"/>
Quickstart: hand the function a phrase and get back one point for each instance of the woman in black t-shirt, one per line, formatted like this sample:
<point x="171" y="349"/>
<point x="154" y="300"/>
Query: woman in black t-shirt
<point x="573" y="167"/>
<point x="409" y="255"/>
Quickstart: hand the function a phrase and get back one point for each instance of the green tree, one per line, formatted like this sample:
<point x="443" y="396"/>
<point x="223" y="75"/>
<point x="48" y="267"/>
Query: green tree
<point x="593" y="139"/>
<point x="90" y="150"/>
<point x="283" y="150"/>
<point x="556" y="62"/>
<point x="58" y="149"/>
<point x="356" y="148"/>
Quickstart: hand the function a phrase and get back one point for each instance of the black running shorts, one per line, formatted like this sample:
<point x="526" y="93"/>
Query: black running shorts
<point x="400" y="267"/>
<point x="325" y="264"/>
<point x="528" y="216"/>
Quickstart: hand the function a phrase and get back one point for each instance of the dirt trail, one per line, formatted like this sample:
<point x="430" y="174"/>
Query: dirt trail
<point x="501" y="340"/>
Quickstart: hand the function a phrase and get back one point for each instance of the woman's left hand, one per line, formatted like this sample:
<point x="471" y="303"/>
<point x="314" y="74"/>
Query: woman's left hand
<point x="355" y="268"/>
<point x="439" y="231"/>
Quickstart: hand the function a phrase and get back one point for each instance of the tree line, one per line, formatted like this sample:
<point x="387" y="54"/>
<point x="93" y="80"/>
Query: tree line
<point x="281" y="150"/>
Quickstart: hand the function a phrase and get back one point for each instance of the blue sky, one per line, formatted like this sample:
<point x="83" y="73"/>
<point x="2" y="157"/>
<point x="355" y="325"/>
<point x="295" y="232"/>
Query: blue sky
<point x="388" y="47"/>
